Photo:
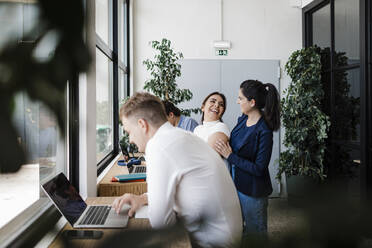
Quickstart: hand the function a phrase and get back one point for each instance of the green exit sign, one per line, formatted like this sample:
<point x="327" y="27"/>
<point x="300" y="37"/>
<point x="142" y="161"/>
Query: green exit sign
<point x="221" y="52"/>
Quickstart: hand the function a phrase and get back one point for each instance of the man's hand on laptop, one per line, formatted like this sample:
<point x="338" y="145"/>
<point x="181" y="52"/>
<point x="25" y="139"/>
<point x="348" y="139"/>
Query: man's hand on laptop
<point x="135" y="201"/>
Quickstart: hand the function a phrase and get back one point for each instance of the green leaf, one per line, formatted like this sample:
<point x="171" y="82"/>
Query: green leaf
<point x="304" y="122"/>
<point x="164" y="70"/>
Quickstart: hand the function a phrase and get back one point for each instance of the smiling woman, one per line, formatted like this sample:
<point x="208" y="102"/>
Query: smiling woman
<point x="212" y="128"/>
<point x="249" y="151"/>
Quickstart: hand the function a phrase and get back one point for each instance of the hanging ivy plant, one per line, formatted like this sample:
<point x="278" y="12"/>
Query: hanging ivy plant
<point x="306" y="126"/>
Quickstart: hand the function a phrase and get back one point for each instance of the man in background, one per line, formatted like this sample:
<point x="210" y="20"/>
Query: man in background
<point x="176" y="119"/>
<point x="186" y="178"/>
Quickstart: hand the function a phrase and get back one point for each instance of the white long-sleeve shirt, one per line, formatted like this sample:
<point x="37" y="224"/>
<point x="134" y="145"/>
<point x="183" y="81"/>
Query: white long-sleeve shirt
<point x="211" y="127"/>
<point x="187" y="179"/>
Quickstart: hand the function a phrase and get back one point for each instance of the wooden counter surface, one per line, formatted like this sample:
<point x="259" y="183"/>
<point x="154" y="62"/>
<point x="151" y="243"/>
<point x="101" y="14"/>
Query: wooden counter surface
<point x="134" y="224"/>
<point x="108" y="188"/>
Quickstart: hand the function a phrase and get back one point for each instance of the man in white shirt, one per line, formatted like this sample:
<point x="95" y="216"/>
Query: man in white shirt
<point x="186" y="178"/>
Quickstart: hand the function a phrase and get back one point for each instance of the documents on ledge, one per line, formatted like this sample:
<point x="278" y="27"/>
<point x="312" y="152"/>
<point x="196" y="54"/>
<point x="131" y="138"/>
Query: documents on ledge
<point x="136" y="177"/>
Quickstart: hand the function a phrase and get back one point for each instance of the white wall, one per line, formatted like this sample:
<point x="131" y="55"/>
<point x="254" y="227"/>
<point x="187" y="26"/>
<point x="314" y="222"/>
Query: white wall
<point x="306" y="2"/>
<point x="258" y="29"/>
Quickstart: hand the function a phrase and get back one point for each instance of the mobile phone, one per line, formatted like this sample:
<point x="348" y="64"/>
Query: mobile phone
<point x="82" y="234"/>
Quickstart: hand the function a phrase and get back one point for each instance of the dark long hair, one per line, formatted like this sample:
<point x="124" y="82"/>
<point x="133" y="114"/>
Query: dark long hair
<point x="267" y="100"/>
<point x="171" y="108"/>
<point x="206" y="99"/>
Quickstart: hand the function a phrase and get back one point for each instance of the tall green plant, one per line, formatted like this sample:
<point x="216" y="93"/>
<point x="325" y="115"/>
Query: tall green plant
<point x="164" y="70"/>
<point x="305" y="124"/>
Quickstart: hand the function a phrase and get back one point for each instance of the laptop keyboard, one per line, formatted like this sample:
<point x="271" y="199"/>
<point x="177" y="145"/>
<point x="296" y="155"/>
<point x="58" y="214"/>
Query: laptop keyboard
<point x="140" y="169"/>
<point x="96" y="215"/>
<point x="137" y="169"/>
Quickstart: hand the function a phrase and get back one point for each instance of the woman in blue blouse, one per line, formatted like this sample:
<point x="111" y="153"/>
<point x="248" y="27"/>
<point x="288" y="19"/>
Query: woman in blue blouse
<point x="249" y="151"/>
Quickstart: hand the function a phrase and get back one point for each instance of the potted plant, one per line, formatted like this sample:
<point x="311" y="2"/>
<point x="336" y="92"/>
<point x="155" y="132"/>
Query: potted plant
<point x="164" y="70"/>
<point x="306" y="125"/>
<point x="126" y="148"/>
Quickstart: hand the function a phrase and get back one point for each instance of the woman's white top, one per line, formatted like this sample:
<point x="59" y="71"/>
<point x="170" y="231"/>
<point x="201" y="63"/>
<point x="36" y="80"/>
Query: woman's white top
<point x="211" y="127"/>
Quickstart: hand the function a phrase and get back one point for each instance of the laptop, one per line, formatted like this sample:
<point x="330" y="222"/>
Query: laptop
<point x="134" y="166"/>
<point x="135" y="169"/>
<point x="80" y="215"/>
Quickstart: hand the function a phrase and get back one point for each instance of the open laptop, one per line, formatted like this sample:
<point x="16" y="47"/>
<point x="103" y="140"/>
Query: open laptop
<point x="80" y="215"/>
<point x="134" y="165"/>
<point x="133" y="169"/>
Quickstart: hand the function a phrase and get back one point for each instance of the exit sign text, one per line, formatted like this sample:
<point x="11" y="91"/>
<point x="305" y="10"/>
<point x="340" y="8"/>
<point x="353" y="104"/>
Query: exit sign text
<point x="221" y="52"/>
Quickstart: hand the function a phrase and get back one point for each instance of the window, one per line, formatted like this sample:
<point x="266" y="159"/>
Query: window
<point x="321" y="33"/>
<point x="334" y="27"/>
<point x="104" y="21"/>
<point x="37" y="128"/>
<point x="39" y="135"/>
<point x="366" y="75"/>
<point x="111" y="75"/>
<point x="21" y="201"/>
<point x="322" y="26"/>
<point x="123" y="32"/>
<point x="123" y="89"/>
<point x="347" y="29"/>
<point x="49" y="152"/>
<point x="104" y="117"/>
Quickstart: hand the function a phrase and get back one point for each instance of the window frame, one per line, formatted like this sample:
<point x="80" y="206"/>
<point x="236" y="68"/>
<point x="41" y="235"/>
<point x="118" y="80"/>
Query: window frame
<point x="28" y="228"/>
<point x="366" y="75"/>
<point x="44" y="217"/>
<point x="73" y="132"/>
<point x="365" y="66"/>
<point x="113" y="55"/>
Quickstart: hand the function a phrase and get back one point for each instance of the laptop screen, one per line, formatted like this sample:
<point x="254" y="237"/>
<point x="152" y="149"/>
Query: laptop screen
<point x="65" y="197"/>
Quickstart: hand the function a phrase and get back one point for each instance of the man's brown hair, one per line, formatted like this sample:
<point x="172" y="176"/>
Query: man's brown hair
<point x="145" y="106"/>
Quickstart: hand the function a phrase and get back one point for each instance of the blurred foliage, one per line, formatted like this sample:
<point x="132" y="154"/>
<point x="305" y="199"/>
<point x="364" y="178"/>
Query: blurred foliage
<point x="43" y="80"/>
<point x="164" y="70"/>
<point x="306" y="125"/>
